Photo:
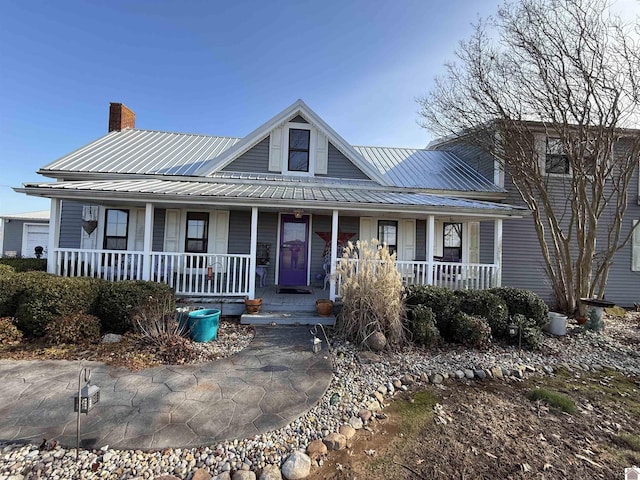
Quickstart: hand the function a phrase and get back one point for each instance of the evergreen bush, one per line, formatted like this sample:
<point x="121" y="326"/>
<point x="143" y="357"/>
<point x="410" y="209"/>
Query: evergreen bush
<point x="118" y="301"/>
<point x="423" y="326"/>
<point x="442" y="301"/>
<point x="74" y="328"/>
<point x="491" y="307"/>
<point x="9" y="333"/>
<point x="470" y="330"/>
<point x="524" y="302"/>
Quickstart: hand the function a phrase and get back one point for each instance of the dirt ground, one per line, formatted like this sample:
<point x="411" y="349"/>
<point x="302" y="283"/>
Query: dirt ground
<point x="490" y="429"/>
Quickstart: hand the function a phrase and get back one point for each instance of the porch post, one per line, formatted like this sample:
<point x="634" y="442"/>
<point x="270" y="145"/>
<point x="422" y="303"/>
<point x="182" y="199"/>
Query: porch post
<point x="54" y="235"/>
<point x="148" y="238"/>
<point x="334" y="253"/>
<point x="430" y="244"/>
<point x="497" y="251"/>
<point x="253" y="252"/>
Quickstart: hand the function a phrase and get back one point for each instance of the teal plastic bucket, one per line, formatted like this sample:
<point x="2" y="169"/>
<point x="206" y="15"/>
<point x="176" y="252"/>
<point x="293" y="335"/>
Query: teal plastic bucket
<point x="203" y="325"/>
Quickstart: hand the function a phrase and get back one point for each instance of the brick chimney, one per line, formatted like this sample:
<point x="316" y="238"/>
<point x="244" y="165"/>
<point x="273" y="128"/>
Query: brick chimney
<point x="120" y="117"/>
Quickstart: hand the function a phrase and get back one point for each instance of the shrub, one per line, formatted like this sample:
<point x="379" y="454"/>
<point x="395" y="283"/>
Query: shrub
<point x="371" y="294"/>
<point x="7" y="291"/>
<point x="118" y="301"/>
<point x="531" y="333"/>
<point x="74" y="328"/>
<point x="423" y="326"/>
<point x="42" y="297"/>
<point x="25" y="264"/>
<point x="524" y="302"/>
<point x="442" y="301"/>
<point x="9" y="333"/>
<point x="156" y="319"/>
<point x="483" y="303"/>
<point x="470" y="330"/>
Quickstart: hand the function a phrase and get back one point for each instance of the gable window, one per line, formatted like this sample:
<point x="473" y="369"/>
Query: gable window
<point x="388" y="233"/>
<point x="556" y="160"/>
<point x="116" y="229"/>
<point x="298" y="150"/>
<point x="452" y="242"/>
<point x="197" y="239"/>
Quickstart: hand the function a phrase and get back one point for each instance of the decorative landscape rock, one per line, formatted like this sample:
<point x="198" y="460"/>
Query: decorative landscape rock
<point x="222" y="476"/>
<point x="201" y="474"/>
<point x="347" y="431"/>
<point x="407" y="379"/>
<point x="335" y="441"/>
<point x="436" y="378"/>
<point x="271" y="472"/>
<point x="316" y="449"/>
<point x="356" y="422"/>
<point x="377" y="341"/>
<point x="364" y="414"/>
<point x="244" y="475"/>
<point x="297" y="466"/>
<point x="111" y="338"/>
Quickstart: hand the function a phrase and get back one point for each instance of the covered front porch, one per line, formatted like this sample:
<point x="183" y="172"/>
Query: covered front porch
<point x="227" y="276"/>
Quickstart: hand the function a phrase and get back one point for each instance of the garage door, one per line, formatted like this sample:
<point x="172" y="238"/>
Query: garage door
<point x="34" y="236"/>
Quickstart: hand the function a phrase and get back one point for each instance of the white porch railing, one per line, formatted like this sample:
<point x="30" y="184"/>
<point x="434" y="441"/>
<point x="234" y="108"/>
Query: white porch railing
<point x="453" y="275"/>
<point x="187" y="273"/>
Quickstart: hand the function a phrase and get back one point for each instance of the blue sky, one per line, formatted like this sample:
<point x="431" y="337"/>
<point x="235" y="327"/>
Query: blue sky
<point x="214" y="67"/>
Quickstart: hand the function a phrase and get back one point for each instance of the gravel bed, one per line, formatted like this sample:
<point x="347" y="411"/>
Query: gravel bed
<point x="362" y="382"/>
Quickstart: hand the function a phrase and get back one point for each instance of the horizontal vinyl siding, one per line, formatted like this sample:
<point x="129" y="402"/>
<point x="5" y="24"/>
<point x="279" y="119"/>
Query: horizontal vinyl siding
<point x="486" y="241"/>
<point x="159" y="215"/>
<point x="340" y="166"/>
<point x="70" y="225"/>
<point x="256" y="160"/>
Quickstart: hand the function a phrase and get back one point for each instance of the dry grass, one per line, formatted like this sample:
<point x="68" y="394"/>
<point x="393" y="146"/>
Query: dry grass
<point x="371" y="294"/>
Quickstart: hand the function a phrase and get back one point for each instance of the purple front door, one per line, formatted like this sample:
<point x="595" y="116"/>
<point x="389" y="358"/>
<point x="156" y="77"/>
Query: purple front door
<point x="294" y="243"/>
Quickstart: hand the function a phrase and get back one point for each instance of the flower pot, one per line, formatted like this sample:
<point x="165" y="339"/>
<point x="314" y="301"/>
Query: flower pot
<point x="203" y="325"/>
<point x="324" y="306"/>
<point x="253" y="305"/>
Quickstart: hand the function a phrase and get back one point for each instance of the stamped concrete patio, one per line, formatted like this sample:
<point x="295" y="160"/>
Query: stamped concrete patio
<point x="264" y="387"/>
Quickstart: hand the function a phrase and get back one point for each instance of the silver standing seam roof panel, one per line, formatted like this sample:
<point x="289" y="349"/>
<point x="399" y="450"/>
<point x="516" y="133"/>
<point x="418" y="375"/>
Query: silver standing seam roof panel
<point x="135" y="151"/>
<point x="246" y="192"/>
<point x="147" y="152"/>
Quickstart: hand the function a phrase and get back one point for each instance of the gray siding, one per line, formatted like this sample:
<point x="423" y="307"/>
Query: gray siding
<point x="486" y="241"/>
<point x="12" y="241"/>
<point x="255" y="160"/>
<point x="70" y="225"/>
<point x="159" y="215"/>
<point x="340" y="166"/>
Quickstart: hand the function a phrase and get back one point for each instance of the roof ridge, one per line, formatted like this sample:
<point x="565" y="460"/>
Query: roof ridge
<point x="394" y="148"/>
<point x="179" y="133"/>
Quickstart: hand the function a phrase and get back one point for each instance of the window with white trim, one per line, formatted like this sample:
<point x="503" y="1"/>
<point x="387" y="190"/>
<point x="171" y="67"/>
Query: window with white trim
<point x="299" y="145"/>
<point x="197" y="235"/>
<point x="116" y="229"/>
<point x="556" y="159"/>
<point x="452" y="242"/>
<point x="388" y="234"/>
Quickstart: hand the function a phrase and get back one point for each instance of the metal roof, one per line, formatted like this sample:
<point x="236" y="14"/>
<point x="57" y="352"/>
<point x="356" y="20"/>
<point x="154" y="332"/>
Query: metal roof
<point x="147" y="152"/>
<point x="261" y="193"/>
<point x="39" y="215"/>
<point x="135" y="151"/>
<point x="427" y="169"/>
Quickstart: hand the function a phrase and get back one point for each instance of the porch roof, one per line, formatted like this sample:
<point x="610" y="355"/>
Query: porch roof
<point x="328" y="195"/>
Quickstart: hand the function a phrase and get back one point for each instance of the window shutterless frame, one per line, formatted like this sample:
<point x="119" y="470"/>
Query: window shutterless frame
<point x="116" y="229"/>
<point x="388" y="233"/>
<point x="452" y="242"/>
<point x="197" y="233"/>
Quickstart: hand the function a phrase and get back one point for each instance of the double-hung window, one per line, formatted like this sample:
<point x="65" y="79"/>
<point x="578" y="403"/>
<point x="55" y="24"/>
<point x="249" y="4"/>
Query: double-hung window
<point x="388" y="234"/>
<point x="556" y="159"/>
<point x="197" y="238"/>
<point x="116" y="229"/>
<point x="452" y="242"/>
<point x="299" y="141"/>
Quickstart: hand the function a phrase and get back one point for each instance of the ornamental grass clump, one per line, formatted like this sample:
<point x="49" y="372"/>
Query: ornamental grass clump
<point x="371" y="289"/>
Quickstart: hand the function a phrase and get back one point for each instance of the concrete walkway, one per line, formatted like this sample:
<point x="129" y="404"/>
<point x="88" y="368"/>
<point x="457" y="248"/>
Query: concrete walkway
<point x="264" y="387"/>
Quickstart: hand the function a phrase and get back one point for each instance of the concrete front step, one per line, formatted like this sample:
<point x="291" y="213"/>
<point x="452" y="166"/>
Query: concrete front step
<point x="286" y="318"/>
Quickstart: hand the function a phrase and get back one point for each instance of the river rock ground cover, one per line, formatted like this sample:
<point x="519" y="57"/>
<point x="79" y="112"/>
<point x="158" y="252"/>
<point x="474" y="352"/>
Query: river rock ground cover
<point x="440" y="413"/>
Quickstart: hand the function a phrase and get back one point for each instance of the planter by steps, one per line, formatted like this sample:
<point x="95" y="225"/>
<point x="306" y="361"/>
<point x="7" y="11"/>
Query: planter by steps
<point x="253" y="305"/>
<point x="324" y="307"/>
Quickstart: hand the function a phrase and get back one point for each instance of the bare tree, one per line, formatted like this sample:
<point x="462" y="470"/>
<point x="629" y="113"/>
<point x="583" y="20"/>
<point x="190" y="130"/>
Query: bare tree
<point x="560" y="75"/>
